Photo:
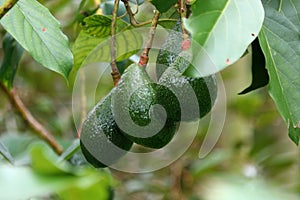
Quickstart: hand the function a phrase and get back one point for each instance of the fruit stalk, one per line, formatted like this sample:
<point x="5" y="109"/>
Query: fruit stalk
<point x="37" y="127"/>
<point x="144" y="57"/>
<point x="113" y="47"/>
<point x="186" y="42"/>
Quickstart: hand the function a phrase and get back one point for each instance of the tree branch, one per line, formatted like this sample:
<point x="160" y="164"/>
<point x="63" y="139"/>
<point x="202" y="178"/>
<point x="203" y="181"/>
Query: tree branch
<point x="144" y="57"/>
<point x="113" y="47"/>
<point x="6" y="6"/>
<point x="38" y="128"/>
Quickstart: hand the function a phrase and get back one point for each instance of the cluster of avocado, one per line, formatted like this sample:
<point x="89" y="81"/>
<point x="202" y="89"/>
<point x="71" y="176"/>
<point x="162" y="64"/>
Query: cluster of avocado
<point x="143" y="112"/>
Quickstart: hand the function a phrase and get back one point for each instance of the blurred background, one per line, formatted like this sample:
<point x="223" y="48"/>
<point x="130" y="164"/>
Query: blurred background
<point x="253" y="159"/>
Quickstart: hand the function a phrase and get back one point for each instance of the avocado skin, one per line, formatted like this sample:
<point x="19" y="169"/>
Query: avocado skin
<point x="171" y="64"/>
<point x="169" y="50"/>
<point x="136" y="85"/>
<point x="101" y="139"/>
<point x="204" y="90"/>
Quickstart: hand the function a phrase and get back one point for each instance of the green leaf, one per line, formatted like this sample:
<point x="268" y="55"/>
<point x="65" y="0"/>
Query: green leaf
<point x="44" y="161"/>
<point x="280" y="42"/>
<point x="163" y="5"/>
<point x="172" y="15"/>
<point x="33" y="26"/>
<point x="70" y="151"/>
<point x="260" y="76"/>
<point x="12" y="55"/>
<point x="5" y="153"/>
<point x="100" y="26"/>
<point x="47" y="176"/>
<point x="223" y="29"/>
<point x="89" y="49"/>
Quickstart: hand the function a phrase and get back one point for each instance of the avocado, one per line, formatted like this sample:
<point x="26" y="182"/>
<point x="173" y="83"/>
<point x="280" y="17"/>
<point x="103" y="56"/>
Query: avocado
<point x="169" y="50"/>
<point x="101" y="140"/>
<point x="196" y="95"/>
<point x="138" y="113"/>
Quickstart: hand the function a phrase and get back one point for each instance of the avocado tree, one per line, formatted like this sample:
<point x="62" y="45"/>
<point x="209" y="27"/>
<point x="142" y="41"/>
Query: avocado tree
<point x="164" y="58"/>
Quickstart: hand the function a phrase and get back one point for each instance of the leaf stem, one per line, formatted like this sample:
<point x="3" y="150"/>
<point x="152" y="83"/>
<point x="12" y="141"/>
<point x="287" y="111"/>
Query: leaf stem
<point x="186" y="42"/>
<point x="6" y="6"/>
<point x="38" y="128"/>
<point x="144" y="57"/>
<point x="113" y="46"/>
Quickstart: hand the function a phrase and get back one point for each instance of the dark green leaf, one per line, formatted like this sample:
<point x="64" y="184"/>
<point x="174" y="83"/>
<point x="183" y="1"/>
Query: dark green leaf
<point x="172" y="15"/>
<point x="260" y="76"/>
<point x="223" y="29"/>
<point x="280" y="43"/>
<point x="12" y="55"/>
<point x="163" y="5"/>
<point x="33" y="26"/>
<point x="5" y="153"/>
<point x="100" y="26"/>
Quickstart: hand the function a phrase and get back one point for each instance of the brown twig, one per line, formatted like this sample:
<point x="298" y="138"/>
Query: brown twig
<point x="6" y="6"/>
<point x="113" y="46"/>
<point x="144" y="57"/>
<point x="129" y="12"/>
<point x="186" y="42"/>
<point x="38" y="128"/>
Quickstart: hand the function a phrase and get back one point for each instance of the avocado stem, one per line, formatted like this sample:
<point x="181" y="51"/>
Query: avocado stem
<point x="145" y="55"/>
<point x="186" y="42"/>
<point x="113" y="46"/>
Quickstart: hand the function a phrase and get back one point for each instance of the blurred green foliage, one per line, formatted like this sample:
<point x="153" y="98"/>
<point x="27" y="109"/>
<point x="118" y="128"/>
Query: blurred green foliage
<point x="254" y="159"/>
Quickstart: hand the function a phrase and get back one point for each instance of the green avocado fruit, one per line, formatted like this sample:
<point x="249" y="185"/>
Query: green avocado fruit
<point x="195" y="96"/>
<point x="101" y="140"/>
<point x="169" y="50"/>
<point x="138" y="113"/>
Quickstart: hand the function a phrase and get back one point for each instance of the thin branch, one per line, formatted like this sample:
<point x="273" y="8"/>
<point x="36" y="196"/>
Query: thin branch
<point x="6" y="6"/>
<point x="186" y="42"/>
<point x="129" y="11"/>
<point x="144" y="57"/>
<point x="38" y="128"/>
<point x="113" y="46"/>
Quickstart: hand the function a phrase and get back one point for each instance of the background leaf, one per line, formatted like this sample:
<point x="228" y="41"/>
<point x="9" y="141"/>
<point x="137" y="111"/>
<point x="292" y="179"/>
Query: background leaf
<point x="71" y="150"/>
<point x="67" y="183"/>
<point x="5" y="153"/>
<point x="12" y="55"/>
<point x="280" y="43"/>
<point x="163" y="5"/>
<point x="108" y="6"/>
<point x="224" y="29"/>
<point x="96" y="47"/>
<point x="33" y="26"/>
<point x="260" y="76"/>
